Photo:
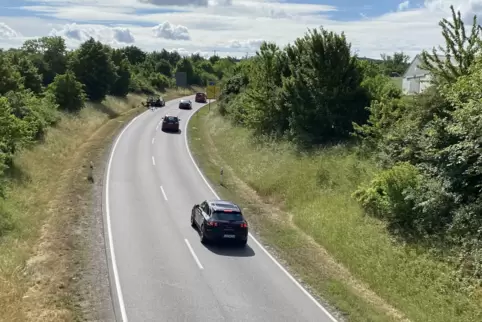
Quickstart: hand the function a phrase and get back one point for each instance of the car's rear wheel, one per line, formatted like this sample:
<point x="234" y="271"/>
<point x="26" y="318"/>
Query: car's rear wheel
<point x="243" y="243"/>
<point x="201" y="235"/>
<point x="193" y="223"/>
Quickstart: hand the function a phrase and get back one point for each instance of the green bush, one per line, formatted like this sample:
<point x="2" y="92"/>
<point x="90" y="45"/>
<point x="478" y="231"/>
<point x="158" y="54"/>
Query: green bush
<point x="380" y="87"/>
<point x="68" y="92"/>
<point x="95" y="69"/>
<point x="120" y="87"/>
<point x="140" y="85"/>
<point x="389" y="195"/>
<point x="309" y="92"/>
<point x="159" y="81"/>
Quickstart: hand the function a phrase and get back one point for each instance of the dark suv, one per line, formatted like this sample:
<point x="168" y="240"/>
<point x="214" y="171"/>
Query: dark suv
<point x="200" y="98"/>
<point x="185" y="104"/>
<point x="170" y="123"/>
<point x="220" y="220"/>
<point x="155" y="101"/>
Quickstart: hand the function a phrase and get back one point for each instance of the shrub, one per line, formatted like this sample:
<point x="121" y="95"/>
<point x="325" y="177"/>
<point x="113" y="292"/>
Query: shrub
<point x="68" y="92"/>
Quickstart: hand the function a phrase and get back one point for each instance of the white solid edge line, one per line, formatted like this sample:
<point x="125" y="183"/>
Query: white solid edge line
<point x="109" y="228"/>
<point x="250" y="235"/>
<point x="163" y="193"/>
<point x="193" y="254"/>
<point x="153" y="161"/>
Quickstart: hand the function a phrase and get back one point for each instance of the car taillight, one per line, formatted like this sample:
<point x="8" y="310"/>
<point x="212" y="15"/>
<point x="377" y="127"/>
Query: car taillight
<point x="212" y="224"/>
<point x="244" y="225"/>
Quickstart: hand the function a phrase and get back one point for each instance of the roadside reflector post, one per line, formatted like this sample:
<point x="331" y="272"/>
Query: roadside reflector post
<point x="90" y="174"/>
<point x="221" y="176"/>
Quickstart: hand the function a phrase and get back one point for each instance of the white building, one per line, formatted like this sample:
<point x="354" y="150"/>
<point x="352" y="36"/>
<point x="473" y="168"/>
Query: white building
<point x="416" y="80"/>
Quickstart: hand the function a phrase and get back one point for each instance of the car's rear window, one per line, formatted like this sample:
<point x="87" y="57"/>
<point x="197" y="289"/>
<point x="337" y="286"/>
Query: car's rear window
<point x="171" y="118"/>
<point x="221" y="215"/>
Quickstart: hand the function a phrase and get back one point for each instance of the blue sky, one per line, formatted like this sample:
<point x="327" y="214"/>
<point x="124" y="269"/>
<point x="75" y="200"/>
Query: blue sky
<point x="348" y="10"/>
<point x="372" y="26"/>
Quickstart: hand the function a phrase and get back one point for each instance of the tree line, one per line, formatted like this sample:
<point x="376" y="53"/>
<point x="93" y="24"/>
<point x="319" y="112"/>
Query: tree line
<point x="309" y="92"/>
<point x="43" y="79"/>
<point x="428" y="146"/>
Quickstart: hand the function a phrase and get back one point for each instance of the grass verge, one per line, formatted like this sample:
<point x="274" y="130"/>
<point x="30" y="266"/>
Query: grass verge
<point x="49" y="194"/>
<point x="301" y="206"/>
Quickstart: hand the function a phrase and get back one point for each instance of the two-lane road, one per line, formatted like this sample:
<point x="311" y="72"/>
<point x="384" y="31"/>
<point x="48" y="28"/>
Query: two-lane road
<point x="159" y="269"/>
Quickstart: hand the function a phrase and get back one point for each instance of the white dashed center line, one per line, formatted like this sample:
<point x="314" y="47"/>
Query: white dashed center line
<point x="163" y="193"/>
<point x="193" y="254"/>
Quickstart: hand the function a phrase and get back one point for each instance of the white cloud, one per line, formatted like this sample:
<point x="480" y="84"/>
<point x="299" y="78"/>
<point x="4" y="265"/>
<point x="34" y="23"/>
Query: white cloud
<point x="169" y="31"/>
<point x="75" y="34"/>
<point x="185" y="52"/>
<point x="8" y="33"/>
<point x="231" y="27"/>
<point x="203" y="3"/>
<point x="404" y="5"/>
<point x="250" y="44"/>
<point x="123" y="35"/>
<point x="220" y="2"/>
<point x="467" y="8"/>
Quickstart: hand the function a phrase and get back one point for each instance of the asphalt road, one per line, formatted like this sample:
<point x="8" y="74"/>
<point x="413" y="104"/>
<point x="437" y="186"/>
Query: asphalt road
<point x="159" y="269"/>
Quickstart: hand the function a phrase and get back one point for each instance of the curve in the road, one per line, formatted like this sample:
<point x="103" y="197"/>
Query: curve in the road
<point x="151" y="251"/>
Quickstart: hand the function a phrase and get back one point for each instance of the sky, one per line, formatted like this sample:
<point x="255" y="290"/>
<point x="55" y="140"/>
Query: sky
<point x="231" y="27"/>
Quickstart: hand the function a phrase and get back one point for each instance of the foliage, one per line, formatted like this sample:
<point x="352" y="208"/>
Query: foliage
<point x="68" y="92"/>
<point x="49" y="55"/>
<point x="396" y="64"/>
<point x="436" y="136"/>
<point x="121" y="85"/>
<point x="13" y="132"/>
<point x="310" y="91"/>
<point x="159" y="81"/>
<point x="94" y="68"/>
<point x="427" y="146"/>
<point x="10" y="78"/>
<point x="185" y="66"/>
<point x="460" y="49"/>
<point x="380" y="87"/>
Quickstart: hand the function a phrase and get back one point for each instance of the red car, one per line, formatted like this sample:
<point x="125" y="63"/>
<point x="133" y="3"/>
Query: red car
<point x="200" y="98"/>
